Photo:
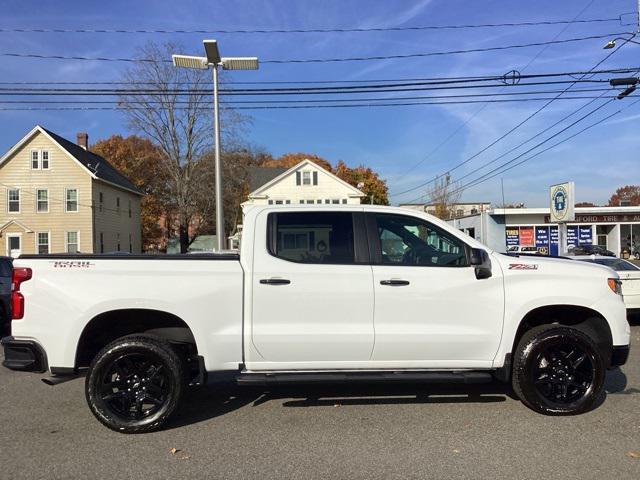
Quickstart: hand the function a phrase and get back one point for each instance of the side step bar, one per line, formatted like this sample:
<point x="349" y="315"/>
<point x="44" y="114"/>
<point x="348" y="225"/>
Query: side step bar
<point x="464" y="377"/>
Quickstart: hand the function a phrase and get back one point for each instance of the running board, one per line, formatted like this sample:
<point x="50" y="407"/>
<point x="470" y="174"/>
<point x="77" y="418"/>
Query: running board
<point x="464" y="377"/>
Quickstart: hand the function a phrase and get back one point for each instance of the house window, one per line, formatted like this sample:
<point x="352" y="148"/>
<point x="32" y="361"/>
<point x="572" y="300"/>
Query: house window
<point x="344" y="200"/>
<point x="301" y="201"/>
<point x="130" y="244"/>
<point x="42" y="240"/>
<point x="335" y="201"/>
<point x="118" y="205"/>
<point x="129" y="208"/>
<point x="309" y="202"/>
<point x="306" y="178"/>
<point x="35" y="159"/>
<point x="72" y="242"/>
<point x="13" y="200"/>
<point x="118" y="241"/>
<point x="45" y="159"/>
<point x="39" y="159"/>
<point x="100" y="201"/>
<point x="287" y="202"/>
<point x="101" y="242"/>
<point x="42" y="200"/>
<point x="270" y="202"/>
<point x="459" y="212"/>
<point x="278" y="202"/>
<point x="327" y="200"/>
<point x="71" y="203"/>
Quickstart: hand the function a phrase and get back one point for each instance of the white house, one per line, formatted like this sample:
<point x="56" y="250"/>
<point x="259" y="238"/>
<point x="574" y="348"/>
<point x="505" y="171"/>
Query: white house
<point x="305" y="183"/>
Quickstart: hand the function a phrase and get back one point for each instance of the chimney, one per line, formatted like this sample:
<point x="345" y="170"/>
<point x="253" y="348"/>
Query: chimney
<point x="82" y="139"/>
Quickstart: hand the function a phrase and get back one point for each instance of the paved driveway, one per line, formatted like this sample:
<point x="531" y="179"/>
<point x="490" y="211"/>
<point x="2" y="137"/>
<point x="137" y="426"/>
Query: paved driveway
<point x="341" y="432"/>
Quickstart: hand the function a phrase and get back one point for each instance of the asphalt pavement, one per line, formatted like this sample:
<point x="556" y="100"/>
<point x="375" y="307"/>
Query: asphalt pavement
<point x="341" y="432"/>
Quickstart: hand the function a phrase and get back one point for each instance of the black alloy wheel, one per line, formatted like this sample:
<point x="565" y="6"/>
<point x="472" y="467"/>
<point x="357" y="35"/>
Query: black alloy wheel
<point x="135" y="383"/>
<point x="563" y="372"/>
<point x="558" y="370"/>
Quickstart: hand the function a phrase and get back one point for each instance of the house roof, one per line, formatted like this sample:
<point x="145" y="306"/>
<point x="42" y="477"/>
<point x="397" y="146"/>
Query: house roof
<point x="259" y="176"/>
<point x="95" y="165"/>
<point x="98" y="166"/>
<point x="355" y="192"/>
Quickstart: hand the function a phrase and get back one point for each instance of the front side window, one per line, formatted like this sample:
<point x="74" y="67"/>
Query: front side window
<point x="314" y="237"/>
<point x="42" y="200"/>
<point x="72" y="242"/>
<point x="71" y="203"/>
<point x="43" y="242"/>
<point x="414" y="242"/>
<point x="13" y="200"/>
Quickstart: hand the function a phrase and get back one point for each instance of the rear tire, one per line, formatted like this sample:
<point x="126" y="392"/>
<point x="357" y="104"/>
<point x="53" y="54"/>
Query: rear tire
<point x="558" y="370"/>
<point x="135" y="383"/>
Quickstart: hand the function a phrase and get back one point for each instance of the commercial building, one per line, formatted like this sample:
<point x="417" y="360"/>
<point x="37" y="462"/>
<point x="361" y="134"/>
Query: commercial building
<point x="460" y="209"/>
<point x="615" y="228"/>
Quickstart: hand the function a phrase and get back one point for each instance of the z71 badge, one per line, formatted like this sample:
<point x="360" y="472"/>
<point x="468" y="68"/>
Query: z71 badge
<point x="523" y="266"/>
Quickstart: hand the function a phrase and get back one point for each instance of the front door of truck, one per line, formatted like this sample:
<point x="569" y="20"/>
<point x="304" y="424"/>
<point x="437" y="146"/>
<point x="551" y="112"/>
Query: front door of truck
<point x="430" y="309"/>
<point x="312" y="304"/>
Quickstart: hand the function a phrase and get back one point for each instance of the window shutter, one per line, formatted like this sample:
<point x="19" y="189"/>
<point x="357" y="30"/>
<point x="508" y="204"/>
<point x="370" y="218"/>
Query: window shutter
<point x="298" y="178"/>
<point x="315" y="178"/>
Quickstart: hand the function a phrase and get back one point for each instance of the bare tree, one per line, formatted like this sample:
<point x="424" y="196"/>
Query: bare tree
<point x="444" y="194"/>
<point x="173" y="107"/>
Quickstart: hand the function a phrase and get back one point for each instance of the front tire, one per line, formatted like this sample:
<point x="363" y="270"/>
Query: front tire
<point x="135" y="383"/>
<point x="558" y="370"/>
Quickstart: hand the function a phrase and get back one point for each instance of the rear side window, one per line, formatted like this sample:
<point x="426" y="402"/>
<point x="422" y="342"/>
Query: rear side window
<point x="5" y="268"/>
<point x="313" y="237"/>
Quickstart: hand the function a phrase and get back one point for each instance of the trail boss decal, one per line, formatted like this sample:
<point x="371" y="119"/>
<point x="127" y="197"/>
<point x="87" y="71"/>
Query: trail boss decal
<point x="72" y="264"/>
<point x="523" y="266"/>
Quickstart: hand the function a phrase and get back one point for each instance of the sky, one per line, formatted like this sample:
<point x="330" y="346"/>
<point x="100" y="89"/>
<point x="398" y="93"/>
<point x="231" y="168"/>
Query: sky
<point x="397" y="142"/>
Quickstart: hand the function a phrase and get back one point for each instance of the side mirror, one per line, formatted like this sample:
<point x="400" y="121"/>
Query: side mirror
<point x="480" y="259"/>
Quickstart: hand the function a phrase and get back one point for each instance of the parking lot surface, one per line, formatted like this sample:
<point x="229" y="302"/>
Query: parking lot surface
<point x="400" y="431"/>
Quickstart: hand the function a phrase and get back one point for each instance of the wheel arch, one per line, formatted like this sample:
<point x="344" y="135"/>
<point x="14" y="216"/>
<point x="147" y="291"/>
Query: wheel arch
<point x="585" y="319"/>
<point x="107" y="326"/>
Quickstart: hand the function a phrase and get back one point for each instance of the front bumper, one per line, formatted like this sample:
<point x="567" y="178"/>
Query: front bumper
<point x="23" y="355"/>
<point x="619" y="355"/>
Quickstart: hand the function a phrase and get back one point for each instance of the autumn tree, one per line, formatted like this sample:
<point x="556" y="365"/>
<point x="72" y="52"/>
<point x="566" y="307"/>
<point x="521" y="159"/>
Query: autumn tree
<point x="173" y="109"/>
<point x="444" y="194"/>
<point x="374" y="187"/>
<point x="138" y="159"/>
<point x="628" y="195"/>
<point x="289" y="160"/>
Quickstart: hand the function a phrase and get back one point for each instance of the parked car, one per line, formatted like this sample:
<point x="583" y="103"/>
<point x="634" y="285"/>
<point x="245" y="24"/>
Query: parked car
<point x="589" y="249"/>
<point x="517" y="249"/>
<point x="314" y="297"/>
<point x="629" y="276"/>
<point x="5" y="296"/>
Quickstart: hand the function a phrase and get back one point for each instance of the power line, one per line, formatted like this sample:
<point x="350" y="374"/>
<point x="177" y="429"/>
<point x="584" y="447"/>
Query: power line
<point x="332" y="60"/>
<point x="322" y="100"/>
<point x="311" y="30"/>
<point x="466" y="122"/>
<point x="486" y="178"/>
<point x="513" y="129"/>
<point x="283" y="107"/>
<point x="479" y="78"/>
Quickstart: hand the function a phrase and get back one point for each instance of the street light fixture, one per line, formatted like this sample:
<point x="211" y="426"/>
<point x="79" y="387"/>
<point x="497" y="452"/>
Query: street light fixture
<point x="213" y="60"/>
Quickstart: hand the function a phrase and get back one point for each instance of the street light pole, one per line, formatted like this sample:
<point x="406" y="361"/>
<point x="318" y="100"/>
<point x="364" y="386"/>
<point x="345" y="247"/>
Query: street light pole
<point x="214" y="61"/>
<point x="220" y="235"/>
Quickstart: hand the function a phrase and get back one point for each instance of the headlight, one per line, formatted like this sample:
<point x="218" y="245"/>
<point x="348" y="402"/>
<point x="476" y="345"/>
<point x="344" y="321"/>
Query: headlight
<point x="615" y="285"/>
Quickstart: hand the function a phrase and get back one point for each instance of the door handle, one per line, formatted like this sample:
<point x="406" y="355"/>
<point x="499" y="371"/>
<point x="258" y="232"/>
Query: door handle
<point x="275" y="281"/>
<point x="394" y="283"/>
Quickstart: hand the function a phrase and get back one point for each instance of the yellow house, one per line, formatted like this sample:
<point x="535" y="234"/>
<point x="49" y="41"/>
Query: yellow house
<point x="58" y="197"/>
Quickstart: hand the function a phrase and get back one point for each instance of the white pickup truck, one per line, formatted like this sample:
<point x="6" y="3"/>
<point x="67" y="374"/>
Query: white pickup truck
<point x="318" y="294"/>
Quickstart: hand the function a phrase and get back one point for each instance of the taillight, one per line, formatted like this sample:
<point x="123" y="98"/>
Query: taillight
<point x="19" y="276"/>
